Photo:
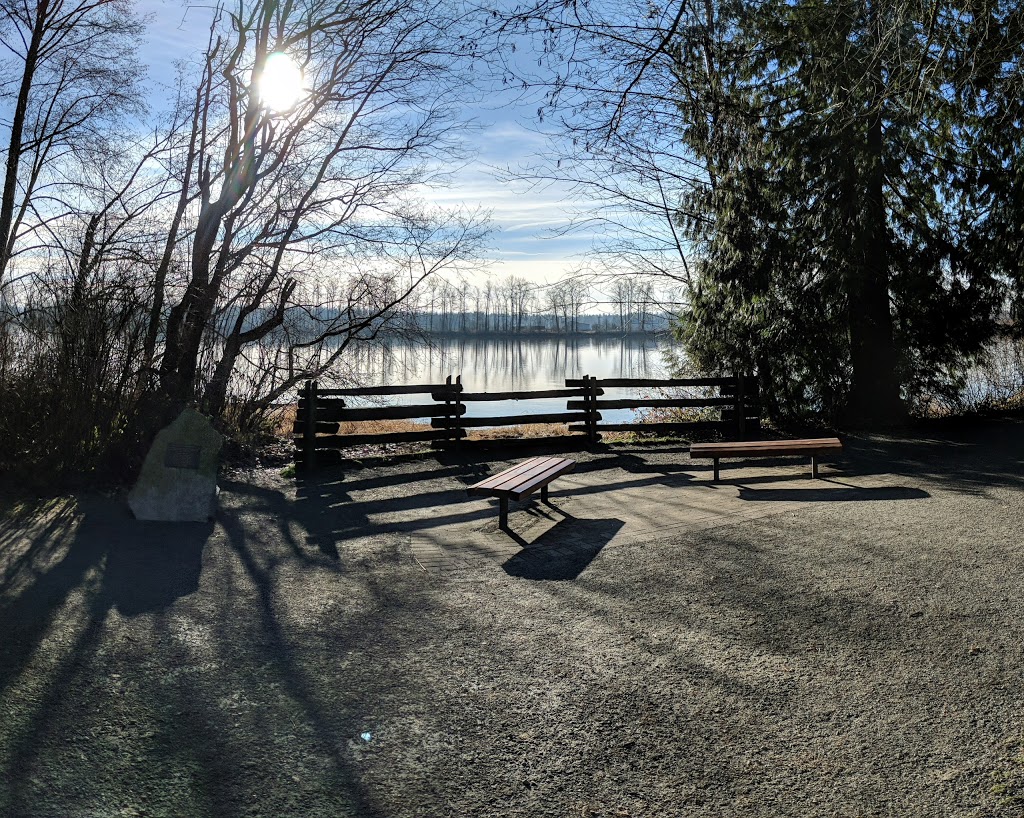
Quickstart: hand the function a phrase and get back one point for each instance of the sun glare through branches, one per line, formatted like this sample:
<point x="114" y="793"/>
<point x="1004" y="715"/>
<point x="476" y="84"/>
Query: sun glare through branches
<point x="280" y="84"/>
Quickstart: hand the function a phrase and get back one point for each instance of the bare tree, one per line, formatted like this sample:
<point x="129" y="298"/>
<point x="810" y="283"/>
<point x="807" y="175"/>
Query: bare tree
<point x="489" y="298"/>
<point x="70" y="74"/>
<point x="520" y="294"/>
<point x="76" y="327"/>
<point x="286" y="202"/>
<point x="555" y="302"/>
<point x="606" y="85"/>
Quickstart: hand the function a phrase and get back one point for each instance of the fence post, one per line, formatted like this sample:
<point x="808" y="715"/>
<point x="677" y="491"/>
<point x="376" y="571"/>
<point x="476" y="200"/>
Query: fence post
<point x="447" y="411"/>
<point x="591" y="403"/>
<point x="586" y="405"/>
<point x="309" y="429"/>
<point x="451" y="419"/>
<point x="741" y="410"/>
<point x="457" y="430"/>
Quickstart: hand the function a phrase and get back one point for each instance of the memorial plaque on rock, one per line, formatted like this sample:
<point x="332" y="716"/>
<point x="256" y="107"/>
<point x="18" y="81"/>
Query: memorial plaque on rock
<point x="178" y="481"/>
<point x="183" y="456"/>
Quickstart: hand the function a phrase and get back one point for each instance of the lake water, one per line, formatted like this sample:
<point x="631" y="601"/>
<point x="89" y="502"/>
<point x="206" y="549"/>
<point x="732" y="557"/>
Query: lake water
<point x="506" y="365"/>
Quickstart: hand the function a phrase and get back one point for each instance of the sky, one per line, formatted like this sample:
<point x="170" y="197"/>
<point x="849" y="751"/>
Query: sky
<point x="522" y="218"/>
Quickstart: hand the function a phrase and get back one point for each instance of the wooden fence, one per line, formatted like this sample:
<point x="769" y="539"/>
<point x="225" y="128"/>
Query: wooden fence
<point x="322" y="411"/>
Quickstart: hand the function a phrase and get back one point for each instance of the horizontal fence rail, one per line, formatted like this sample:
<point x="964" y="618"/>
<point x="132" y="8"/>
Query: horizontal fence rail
<point x="321" y="413"/>
<point x="737" y="402"/>
<point x="547" y="393"/>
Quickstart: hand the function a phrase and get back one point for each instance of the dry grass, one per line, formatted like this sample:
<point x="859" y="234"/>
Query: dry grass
<point x="387" y="427"/>
<point x="381" y="427"/>
<point x="284" y="418"/>
<point x="526" y="430"/>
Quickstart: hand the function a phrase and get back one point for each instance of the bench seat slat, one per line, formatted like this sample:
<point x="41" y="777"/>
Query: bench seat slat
<point x="523" y="479"/>
<point x="765" y="447"/>
<point x="775" y="452"/>
<point x="540" y="480"/>
<point x="512" y="475"/>
<point x="516" y="482"/>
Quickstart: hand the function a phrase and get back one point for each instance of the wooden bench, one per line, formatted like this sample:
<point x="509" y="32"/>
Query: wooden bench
<point x="521" y="481"/>
<point x="815" y="447"/>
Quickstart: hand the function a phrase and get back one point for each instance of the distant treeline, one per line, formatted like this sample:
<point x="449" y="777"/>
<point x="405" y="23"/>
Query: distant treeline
<point x="542" y="325"/>
<point x="515" y="306"/>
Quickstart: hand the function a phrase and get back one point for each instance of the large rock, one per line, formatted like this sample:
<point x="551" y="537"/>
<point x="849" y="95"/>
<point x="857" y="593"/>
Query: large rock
<point x="179" y="478"/>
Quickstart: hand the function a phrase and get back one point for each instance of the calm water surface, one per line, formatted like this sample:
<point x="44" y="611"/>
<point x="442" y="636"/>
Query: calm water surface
<point x="506" y="365"/>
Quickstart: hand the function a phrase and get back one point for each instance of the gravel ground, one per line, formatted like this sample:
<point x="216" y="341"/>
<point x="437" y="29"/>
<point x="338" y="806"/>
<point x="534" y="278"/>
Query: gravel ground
<point x="292" y="659"/>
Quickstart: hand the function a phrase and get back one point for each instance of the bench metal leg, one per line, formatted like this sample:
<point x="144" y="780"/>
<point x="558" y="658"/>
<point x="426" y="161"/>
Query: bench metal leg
<point x="716" y="470"/>
<point x="814" y="467"/>
<point x="543" y="494"/>
<point x="503" y="513"/>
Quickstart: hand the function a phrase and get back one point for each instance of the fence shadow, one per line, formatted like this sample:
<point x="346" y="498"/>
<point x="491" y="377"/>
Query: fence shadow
<point x="339" y="505"/>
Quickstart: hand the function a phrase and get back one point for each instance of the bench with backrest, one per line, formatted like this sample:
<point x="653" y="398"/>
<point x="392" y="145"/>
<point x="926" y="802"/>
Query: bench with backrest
<point x="521" y="481"/>
<point x="812" y="447"/>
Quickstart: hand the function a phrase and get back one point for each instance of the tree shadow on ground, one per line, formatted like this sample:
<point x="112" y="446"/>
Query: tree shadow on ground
<point x="198" y="694"/>
<point x="305" y="669"/>
<point x="55" y="607"/>
<point x="972" y="457"/>
<point x="145" y="566"/>
<point x="247" y="696"/>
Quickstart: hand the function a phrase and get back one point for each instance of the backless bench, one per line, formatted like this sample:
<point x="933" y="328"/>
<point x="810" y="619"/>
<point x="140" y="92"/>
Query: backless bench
<point x="521" y="481"/>
<point x="812" y="447"/>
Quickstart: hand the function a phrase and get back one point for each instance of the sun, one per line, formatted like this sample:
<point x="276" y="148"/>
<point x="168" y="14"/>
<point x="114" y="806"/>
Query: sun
<point x="281" y="82"/>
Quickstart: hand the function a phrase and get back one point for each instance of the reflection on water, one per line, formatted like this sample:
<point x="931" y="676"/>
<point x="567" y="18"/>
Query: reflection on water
<point x="504" y="365"/>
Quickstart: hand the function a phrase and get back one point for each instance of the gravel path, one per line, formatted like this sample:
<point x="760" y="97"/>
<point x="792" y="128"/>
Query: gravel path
<point x="851" y="655"/>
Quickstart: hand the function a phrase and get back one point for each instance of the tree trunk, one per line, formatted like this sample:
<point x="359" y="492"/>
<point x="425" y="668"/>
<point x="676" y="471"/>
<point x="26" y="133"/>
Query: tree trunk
<point x="215" y="399"/>
<point x="875" y="393"/>
<point x="160" y="277"/>
<point x="14" y="146"/>
<point x="188" y="320"/>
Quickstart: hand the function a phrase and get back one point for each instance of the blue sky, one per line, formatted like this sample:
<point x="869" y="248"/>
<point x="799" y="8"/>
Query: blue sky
<point x="522" y="217"/>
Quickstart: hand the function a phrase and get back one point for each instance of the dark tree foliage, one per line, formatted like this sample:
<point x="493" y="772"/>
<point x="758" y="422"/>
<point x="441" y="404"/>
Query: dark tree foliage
<point x="850" y="190"/>
<point x="847" y="177"/>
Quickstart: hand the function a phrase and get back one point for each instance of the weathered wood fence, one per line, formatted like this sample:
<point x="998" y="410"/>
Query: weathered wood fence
<point x="322" y="411"/>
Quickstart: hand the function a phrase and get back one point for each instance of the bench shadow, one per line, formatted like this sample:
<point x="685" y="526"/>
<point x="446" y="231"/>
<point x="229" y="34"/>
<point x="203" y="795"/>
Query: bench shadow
<point x="557" y="557"/>
<point x="838" y="495"/>
<point x="543" y="514"/>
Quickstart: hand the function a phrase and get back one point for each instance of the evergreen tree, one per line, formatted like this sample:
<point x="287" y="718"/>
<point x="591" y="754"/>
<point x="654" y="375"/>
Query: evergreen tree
<point x="848" y="226"/>
<point x="844" y="177"/>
